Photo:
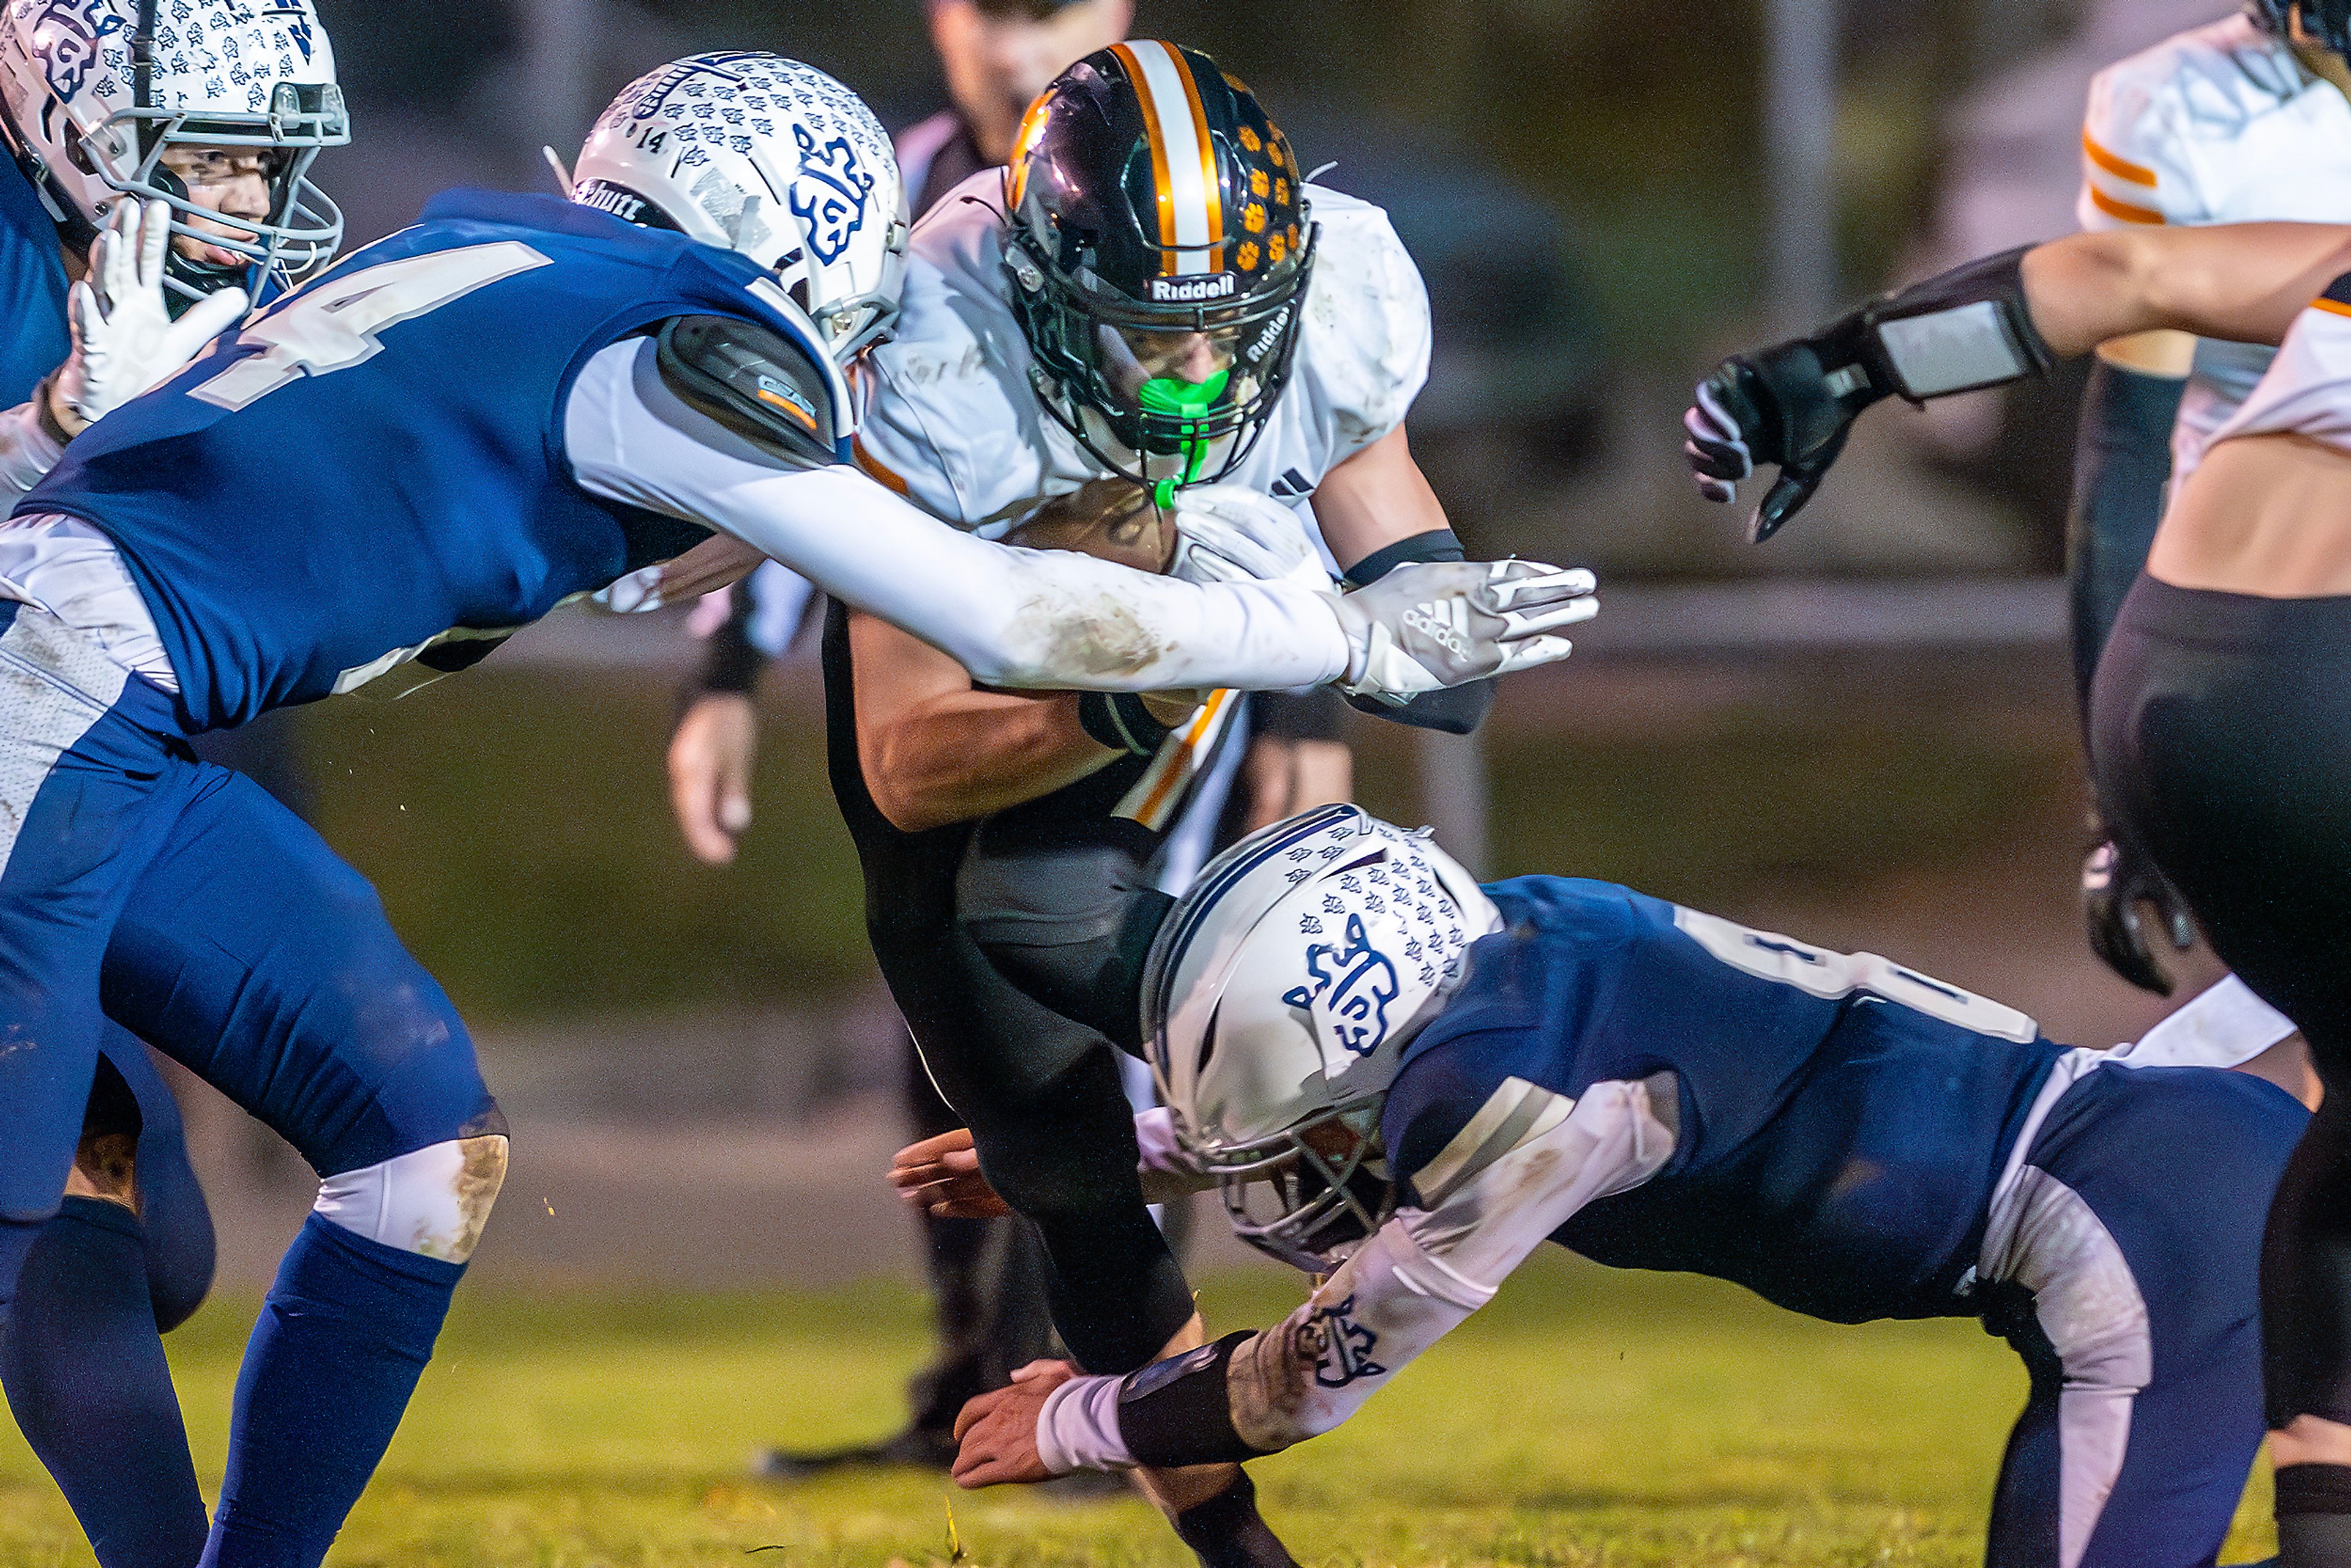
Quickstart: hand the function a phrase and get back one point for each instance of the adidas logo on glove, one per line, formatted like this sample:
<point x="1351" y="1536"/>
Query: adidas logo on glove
<point x="1444" y="621"/>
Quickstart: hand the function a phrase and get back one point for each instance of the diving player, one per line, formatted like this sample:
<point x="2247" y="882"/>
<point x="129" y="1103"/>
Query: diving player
<point x="1407" y="1084"/>
<point x="166" y="235"/>
<point x="2220" y="743"/>
<point x="507" y="406"/>
<point x="2240" y="121"/>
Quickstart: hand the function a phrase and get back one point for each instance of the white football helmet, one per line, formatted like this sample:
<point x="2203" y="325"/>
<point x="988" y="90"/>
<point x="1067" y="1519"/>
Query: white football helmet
<point x="770" y="158"/>
<point x="96" y="89"/>
<point x="1277" y="1002"/>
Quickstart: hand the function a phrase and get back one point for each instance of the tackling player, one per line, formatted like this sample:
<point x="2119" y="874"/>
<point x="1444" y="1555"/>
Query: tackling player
<point x="1086" y="342"/>
<point x="2238" y="121"/>
<point x="507" y="406"/>
<point x="168" y="196"/>
<point x="2220" y="743"/>
<point x="1408" y="1083"/>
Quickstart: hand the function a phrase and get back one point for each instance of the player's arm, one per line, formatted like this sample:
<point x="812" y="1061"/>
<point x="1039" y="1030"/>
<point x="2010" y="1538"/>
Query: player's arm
<point x="1489" y="1198"/>
<point x="1989" y="322"/>
<point x="124" y="342"/>
<point x="1027" y="618"/>
<point x="1377" y="513"/>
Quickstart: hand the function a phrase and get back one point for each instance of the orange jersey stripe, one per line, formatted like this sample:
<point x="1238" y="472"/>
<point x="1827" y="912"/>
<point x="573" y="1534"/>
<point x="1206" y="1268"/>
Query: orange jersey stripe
<point x="2124" y="210"/>
<point x="874" y="470"/>
<point x="2120" y="168"/>
<point x="2332" y="307"/>
<point x="1176" y="778"/>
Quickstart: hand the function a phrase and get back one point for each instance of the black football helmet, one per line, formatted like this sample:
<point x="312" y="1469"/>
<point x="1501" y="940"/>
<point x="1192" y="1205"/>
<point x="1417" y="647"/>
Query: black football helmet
<point x="1159" y="247"/>
<point x="2324" y="22"/>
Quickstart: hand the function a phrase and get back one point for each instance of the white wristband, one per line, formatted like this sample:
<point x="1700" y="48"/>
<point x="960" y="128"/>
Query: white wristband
<point x="1078" y="1427"/>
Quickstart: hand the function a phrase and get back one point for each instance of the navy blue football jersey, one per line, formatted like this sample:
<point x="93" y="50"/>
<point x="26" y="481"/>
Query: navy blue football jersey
<point x="1844" y="1120"/>
<point x="373" y="470"/>
<point x="32" y="289"/>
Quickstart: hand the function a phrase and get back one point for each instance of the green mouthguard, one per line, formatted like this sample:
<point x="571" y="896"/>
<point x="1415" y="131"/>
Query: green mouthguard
<point x="1188" y="403"/>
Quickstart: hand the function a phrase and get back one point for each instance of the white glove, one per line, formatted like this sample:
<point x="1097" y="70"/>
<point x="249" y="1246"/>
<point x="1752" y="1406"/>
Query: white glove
<point x="1430" y="624"/>
<point x="1230" y="533"/>
<point x="124" y="339"/>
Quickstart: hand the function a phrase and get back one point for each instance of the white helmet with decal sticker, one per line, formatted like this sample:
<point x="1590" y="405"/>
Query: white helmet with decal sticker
<point x="770" y="158"/>
<point x="1278" y="1000"/>
<point x="98" y="90"/>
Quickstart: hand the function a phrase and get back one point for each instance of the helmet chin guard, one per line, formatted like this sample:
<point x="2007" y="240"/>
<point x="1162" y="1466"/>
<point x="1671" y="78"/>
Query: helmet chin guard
<point x="98" y="92"/>
<point x="770" y="159"/>
<point x="1278" y="1000"/>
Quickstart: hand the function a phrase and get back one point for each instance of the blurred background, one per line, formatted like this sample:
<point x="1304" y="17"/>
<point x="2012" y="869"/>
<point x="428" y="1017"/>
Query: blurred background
<point x="1862" y="734"/>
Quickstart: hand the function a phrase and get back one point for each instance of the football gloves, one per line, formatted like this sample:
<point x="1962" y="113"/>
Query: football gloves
<point x="1793" y="405"/>
<point x="1434" y="625"/>
<point x="2115" y="882"/>
<point x="1230" y="533"/>
<point x="124" y="339"/>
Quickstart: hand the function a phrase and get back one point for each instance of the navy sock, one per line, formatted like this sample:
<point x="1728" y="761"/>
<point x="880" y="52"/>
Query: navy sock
<point x="343" y="1336"/>
<point x="85" y="1372"/>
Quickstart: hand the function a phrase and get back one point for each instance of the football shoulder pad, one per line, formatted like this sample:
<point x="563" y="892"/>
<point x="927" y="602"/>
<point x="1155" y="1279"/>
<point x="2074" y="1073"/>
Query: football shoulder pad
<point x="754" y="380"/>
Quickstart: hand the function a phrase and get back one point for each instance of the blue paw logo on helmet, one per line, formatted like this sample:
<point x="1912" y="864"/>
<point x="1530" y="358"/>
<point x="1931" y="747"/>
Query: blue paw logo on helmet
<point x="1350" y="986"/>
<point x="829" y="196"/>
<point x="67" y="34"/>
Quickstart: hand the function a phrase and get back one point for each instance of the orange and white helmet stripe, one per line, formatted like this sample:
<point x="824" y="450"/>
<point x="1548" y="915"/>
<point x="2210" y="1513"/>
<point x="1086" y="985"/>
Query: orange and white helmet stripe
<point x="1183" y="158"/>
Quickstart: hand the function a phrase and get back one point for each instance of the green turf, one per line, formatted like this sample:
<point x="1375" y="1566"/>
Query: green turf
<point x="1585" y="1418"/>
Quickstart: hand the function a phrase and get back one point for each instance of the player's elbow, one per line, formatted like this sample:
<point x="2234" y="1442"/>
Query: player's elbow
<point x="902" y="791"/>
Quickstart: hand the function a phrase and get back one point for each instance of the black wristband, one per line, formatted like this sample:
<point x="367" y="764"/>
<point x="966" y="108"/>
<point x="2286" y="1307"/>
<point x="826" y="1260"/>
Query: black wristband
<point x="1959" y="330"/>
<point x="731" y="662"/>
<point x="1177" y="1412"/>
<point x="1437" y="544"/>
<point x="1120" y="721"/>
<point x="1311" y="714"/>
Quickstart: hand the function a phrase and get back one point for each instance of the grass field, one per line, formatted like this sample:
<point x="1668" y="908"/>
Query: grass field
<point x="1585" y="1418"/>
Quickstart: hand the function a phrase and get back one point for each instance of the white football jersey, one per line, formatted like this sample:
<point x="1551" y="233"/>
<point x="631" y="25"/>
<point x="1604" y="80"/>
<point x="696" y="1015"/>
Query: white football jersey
<point x="952" y="421"/>
<point x="2307" y="390"/>
<point x="2221" y="124"/>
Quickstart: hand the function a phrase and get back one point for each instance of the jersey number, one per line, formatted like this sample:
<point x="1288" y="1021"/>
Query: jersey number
<point x="1835" y="975"/>
<point x="334" y="324"/>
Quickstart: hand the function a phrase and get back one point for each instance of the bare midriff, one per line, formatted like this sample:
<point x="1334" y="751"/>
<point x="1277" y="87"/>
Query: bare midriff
<point x="2263" y="514"/>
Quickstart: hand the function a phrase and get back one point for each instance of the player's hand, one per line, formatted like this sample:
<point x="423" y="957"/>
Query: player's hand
<point x="2115" y="882"/>
<point x="1230" y="533"/>
<point x="941" y="1176"/>
<point x="124" y="339"/>
<point x="1431" y="624"/>
<point x="1792" y="406"/>
<point x="722" y="560"/>
<point x="998" y="1430"/>
<point x="710" y="773"/>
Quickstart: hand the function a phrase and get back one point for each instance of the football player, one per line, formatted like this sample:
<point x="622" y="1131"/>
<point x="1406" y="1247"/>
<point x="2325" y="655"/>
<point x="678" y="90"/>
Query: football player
<point x="1218" y="343"/>
<point x="2238" y="121"/>
<point x="2220" y="743"/>
<point x="144" y="200"/>
<point x="507" y="406"/>
<point x="1406" y="1082"/>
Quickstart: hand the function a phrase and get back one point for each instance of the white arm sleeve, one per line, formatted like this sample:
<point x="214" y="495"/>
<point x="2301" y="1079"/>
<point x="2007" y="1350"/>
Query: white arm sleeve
<point x="1012" y="617"/>
<point x="1519" y="1170"/>
<point x="1427" y="1269"/>
<point x="27" y="452"/>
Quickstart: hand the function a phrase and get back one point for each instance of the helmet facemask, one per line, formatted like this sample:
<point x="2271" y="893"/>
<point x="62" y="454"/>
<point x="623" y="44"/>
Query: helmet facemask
<point x="98" y="99"/>
<point x="1313" y="1193"/>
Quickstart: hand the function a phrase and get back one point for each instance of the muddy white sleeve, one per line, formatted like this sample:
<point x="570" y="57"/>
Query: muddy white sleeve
<point x="1012" y="617"/>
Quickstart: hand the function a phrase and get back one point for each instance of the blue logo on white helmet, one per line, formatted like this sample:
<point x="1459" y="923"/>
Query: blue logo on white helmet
<point x="1349" y="989"/>
<point x="828" y="198"/>
<point x="68" y="32"/>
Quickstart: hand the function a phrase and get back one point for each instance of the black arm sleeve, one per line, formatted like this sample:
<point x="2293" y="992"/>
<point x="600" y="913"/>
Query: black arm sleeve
<point x="2122" y="461"/>
<point x="731" y="662"/>
<point x="1457" y="710"/>
<point x="1178" y="1412"/>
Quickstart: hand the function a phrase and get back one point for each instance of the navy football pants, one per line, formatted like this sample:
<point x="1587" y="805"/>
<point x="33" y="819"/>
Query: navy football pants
<point x="209" y="920"/>
<point x="2131" y="1287"/>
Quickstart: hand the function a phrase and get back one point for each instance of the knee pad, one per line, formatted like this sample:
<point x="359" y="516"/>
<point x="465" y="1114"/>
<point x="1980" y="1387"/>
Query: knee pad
<point x="431" y="1201"/>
